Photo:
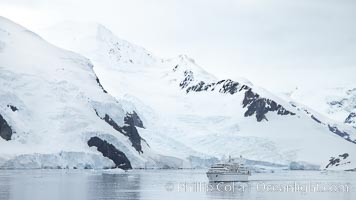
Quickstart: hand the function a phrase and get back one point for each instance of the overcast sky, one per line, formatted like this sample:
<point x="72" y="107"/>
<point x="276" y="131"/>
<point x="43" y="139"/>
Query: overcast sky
<point x="270" y="42"/>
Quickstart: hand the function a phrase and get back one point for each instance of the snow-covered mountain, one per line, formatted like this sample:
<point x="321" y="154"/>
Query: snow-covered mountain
<point x="54" y="112"/>
<point x="338" y="103"/>
<point x="190" y="114"/>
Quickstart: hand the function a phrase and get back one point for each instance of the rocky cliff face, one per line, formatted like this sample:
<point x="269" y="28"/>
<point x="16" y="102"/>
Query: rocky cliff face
<point x="351" y="119"/>
<point x="255" y="104"/>
<point x="260" y="106"/>
<point x="110" y="151"/>
<point x="131" y="120"/>
<point x="5" y="129"/>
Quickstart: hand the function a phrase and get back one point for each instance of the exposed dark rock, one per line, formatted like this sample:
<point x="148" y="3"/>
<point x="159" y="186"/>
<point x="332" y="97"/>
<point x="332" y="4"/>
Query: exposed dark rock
<point x="257" y="107"/>
<point x="219" y="82"/>
<point x="340" y="133"/>
<point x="13" y="108"/>
<point x="229" y="86"/>
<point x="254" y="103"/>
<point x="336" y="103"/>
<point x="333" y="129"/>
<point x="129" y="129"/>
<point x="111" y="122"/>
<point x="98" y="81"/>
<point x="136" y="120"/>
<point x="110" y="151"/>
<point x="344" y="156"/>
<point x="333" y="161"/>
<point x="175" y="68"/>
<point x="351" y="119"/>
<point x="201" y="86"/>
<point x="5" y="129"/>
<point x="244" y="87"/>
<point x="315" y="119"/>
<point x="197" y="88"/>
<point x="249" y="98"/>
<point x="338" y="160"/>
<point x="260" y="106"/>
<point x="188" y="77"/>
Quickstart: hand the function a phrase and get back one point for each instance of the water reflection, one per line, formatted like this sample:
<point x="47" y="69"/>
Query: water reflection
<point x="41" y="184"/>
<point x="114" y="186"/>
<point x="158" y="184"/>
<point x="228" y="190"/>
<point x="5" y="187"/>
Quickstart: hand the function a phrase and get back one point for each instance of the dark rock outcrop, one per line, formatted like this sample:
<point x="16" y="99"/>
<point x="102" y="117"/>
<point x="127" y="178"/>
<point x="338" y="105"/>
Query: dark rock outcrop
<point x="260" y="106"/>
<point x="188" y="77"/>
<point x="226" y="86"/>
<point x="340" y="133"/>
<point x="332" y="128"/>
<point x="110" y="151"/>
<point x="133" y="118"/>
<point x="344" y="156"/>
<point x="333" y="161"/>
<point x="13" y="108"/>
<point x="252" y="101"/>
<point x="201" y="86"/>
<point x="338" y="160"/>
<point x="128" y="129"/>
<point x="351" y="119"/>
<point x="101" y="86"/>
<point x="255" y="104"/>
<point x="315" y="119"/>
<point x="175" y="68"/>
<point x="229" y="86"/>
<point x="5" y="129"/>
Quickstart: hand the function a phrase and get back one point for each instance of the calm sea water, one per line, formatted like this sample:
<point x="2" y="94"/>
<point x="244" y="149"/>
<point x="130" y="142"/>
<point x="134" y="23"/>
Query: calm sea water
<point x="171" y="184"/>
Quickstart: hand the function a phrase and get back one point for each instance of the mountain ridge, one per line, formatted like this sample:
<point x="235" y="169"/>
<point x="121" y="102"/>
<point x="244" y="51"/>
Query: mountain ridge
<point x="215" y="117"/>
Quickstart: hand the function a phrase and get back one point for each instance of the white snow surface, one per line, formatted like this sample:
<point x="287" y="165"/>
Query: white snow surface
<point x="334" y="102"/>
<point x="199" y="123"/>
<point x="56" y="94"/>
<point x="178" y="125"/>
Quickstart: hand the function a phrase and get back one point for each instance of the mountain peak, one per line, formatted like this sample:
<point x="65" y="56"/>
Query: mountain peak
<point x="190" y="106"/>
<point x="185" y="57"/>
<point x="52" y="105"/>
<point x="95" y="40"/>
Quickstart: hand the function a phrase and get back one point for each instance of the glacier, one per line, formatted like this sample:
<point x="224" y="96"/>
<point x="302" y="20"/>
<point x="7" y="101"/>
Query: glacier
<point x="105" y="102"/>
<point x="189" y="112"/>
<point x="52" y="104"/>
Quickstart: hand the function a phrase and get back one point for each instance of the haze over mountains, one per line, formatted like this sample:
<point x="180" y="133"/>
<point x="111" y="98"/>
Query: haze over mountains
<point x="162" y="112"/>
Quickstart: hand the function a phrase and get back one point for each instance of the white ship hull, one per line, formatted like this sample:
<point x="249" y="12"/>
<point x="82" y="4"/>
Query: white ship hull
<point x="227" y="177"/>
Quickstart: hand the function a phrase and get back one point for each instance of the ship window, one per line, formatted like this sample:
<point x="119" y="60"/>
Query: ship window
<point x="216" y="176"/>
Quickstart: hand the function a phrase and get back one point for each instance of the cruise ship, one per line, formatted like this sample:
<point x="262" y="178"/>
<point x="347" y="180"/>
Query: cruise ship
<point x="232" y="171"/>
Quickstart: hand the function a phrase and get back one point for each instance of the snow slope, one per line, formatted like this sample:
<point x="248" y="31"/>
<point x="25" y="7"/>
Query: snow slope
<point x="189" y="112"/>
<point x="55" y="112"/>
<point x="338" y="103"/>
